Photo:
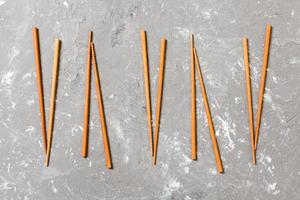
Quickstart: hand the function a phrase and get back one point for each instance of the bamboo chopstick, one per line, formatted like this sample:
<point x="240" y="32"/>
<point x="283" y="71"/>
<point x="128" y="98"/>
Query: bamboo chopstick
<point x="101" y="110"/>
<point x="263" y="81"/>
<point x="208" y="114"/>
<point x="147" y="87"/>
<point x="159" y="95"/>
<point x="37" y="59"/>
<point x="84" y="147"/>
<point x="53" y="96"/>
<point x="249" y="96"/>
<point x="193" y="103"/>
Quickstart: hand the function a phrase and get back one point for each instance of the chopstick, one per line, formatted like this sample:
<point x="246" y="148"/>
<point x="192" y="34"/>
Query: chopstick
<point x="53" y="96"/>
<point x="249" y="96"/>
<point x="208" y="114"/>
<point x="263" y="81"/>
<point x="193" y="103"/>
<point x="147" y="88"/>
<point x="84" y="147"/>
<point x="101" y="110"/>
<point x="159" y="95"/>
<point x="37" y="59"/>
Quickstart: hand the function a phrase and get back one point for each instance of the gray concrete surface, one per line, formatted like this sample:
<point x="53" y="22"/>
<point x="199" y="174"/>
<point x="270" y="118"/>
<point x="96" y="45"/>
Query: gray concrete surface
<point x="218" y="27"/>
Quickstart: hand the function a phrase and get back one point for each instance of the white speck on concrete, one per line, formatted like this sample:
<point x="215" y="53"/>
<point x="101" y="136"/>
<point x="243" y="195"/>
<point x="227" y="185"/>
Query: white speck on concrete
<point x="171" y="186"/>
<point x="2" y="2"/>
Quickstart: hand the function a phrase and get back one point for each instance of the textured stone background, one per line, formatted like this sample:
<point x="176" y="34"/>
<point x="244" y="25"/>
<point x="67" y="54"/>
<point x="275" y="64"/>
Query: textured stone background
<point x="218" y="27"/>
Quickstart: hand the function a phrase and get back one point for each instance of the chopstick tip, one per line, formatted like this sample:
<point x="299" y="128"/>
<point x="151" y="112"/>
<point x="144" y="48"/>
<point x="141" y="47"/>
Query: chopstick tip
<point x="109" y="166"/>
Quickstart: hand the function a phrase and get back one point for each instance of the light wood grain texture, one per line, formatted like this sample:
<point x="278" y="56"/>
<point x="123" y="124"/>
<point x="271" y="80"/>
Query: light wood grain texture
<point x="208" y="115"/>
<point x="159" y="95"/>
<point x="147" y="87"/>
<point x="85" y="133"/>
<point x="263" y="81"/>
<point x="53" y="98"/>
<point x="101" y="110"/>
<point x="39" y="78"/>
<point x="193" y="103"/>
<point x="249" y="96"/>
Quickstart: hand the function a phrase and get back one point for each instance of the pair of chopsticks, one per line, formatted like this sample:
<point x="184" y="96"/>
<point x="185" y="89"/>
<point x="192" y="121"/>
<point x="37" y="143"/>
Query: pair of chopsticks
<point x="91" y="59"/>
<point x="153" y="144"/>
<point x="195" y="62"/>
<point x="254" y="135"/>
<point x="46" y="141"/>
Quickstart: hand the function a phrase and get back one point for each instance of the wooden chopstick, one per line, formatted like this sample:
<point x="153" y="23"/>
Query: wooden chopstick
<point x="263" y="81"/>
<point x="53" y="97"/>
<point x="37" y="59"/>
<point x="84" y="147"/>
<point x="159" y="95"/>
<point x="101" y="110"/>
<point x="193" y="103"/>
<point x="249" y="96"/>
<point x="147" y="87"/>
<point x="208" y="114"/>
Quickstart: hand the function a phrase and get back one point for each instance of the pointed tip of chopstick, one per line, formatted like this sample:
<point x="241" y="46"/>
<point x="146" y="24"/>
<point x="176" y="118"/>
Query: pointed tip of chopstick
<point x="47" y="163"/>
<point x="253" y="160"/>
<point x="109" y="166"/>
<point x="84" y="154"/>
<point x="154" y="160"/>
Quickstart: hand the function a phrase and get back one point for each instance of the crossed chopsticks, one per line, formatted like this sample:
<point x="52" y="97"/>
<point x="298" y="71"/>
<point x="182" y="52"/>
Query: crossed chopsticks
<point x="195" y="63"/>
<point x="153" y="144"/>
<point x="84" y="147"/>
<point x="254" y="135"/>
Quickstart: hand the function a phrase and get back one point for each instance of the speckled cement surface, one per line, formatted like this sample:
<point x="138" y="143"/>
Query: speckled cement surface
<point x="218" y="27"/>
